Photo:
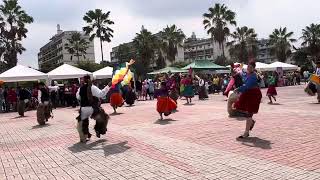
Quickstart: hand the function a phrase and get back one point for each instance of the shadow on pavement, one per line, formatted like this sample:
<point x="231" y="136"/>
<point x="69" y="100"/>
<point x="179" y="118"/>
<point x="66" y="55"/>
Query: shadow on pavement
<point x="19" y="117"/>
<point x="256" y="142"/>
<point x="108" y="149"/>
<point x="115" y="114"/>
<point x="164" y="121"/>
<point x="275" y="104"/>
<point x="190" y="104"/>
<point x="40" y="126"/>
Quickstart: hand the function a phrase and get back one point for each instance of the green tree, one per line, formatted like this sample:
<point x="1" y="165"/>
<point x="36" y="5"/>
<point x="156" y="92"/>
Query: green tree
<point x="281" y="41"/>
<point x="145" y="44"/>
<point x="301" y="58"/>
<point x="89" y="66"/>
<point x="216" y="22"/>
<point x="124" y="53"/>
<point x="98" y="26"/>
<point x="77" y="46"/>
<point x="311" y="40"/>
<point x="13" y="30"/>
<point x="171" y="38"/>
<point x="244" y="44"/>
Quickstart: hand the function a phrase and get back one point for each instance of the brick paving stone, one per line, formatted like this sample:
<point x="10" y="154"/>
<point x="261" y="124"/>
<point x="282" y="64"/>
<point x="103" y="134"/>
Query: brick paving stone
<point x="198" y="142"/>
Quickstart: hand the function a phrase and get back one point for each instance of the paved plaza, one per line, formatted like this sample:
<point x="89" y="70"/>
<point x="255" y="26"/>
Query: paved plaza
<point x="198" y="142"/>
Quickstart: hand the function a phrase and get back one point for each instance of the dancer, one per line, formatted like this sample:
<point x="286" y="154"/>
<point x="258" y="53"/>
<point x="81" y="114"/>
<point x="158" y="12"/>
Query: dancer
<point x="188" y="88"/>
<point x="130" y="96"/>
<point x="313" y="86"/>
<point x="87" y="107"/>
<point x="250" y="98"/>
<point x="316" y="79"/>
<point x="44" y="107"/>
<point x="202" y="88"/>
<point x="272" y="92"/>
<point x="24" y="96"/>
<point x="165" y="105"/>
<point x="172" y="86"/>
<point x="237" y="76"/>
<point x="121" y="77"/>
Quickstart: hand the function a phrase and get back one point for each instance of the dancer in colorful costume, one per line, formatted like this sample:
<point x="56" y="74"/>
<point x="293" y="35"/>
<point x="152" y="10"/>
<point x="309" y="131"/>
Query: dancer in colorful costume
<point x="250" y="98"/>
<point x="237" y="78"/>
<point x="165" y="105"/>
<point x="188" y="92"/>
<point x="272" y="92"/>
<point x="121" y="77"/>
<point x="172" y="87"/>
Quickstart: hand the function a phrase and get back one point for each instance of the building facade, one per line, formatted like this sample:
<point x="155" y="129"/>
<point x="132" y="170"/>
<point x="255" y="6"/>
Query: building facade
<point x="197" y="49"/>
<point x="264" y="52"/>
<point x="54" y="53"/>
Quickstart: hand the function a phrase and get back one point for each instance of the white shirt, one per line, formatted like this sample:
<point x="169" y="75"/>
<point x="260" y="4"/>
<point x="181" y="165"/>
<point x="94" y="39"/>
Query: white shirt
<point x="96" y="92"/>
<point x="53" y="88"/>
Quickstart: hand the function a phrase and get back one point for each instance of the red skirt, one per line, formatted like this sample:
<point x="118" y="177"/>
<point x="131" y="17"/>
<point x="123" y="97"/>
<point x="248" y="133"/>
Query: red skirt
<point x="249" y="101"/>
<point x="116" y="99"/>
<point x="166" y="105"/>
<point x="272" y="91"/>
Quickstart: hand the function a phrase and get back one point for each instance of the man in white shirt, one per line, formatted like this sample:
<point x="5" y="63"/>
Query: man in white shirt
<point x="86" y="94"/>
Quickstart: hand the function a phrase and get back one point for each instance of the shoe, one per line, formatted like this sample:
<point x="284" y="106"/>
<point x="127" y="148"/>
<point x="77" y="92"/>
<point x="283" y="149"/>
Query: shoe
<point x="97" y="134"/>
<point x="245" y="135"/>
<point x="253" y="123"/>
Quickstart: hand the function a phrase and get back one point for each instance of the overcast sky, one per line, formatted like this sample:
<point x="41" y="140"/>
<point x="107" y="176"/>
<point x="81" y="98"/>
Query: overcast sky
<point x="130" y="15"/>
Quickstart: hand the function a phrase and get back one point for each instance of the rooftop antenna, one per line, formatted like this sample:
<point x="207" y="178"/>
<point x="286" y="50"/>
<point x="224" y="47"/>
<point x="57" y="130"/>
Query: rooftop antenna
<point x="58" y="29"/>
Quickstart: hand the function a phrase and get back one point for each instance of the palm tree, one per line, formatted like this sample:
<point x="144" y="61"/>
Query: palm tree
<point x="12" y="30"/>
<point x="145" y="44"/>
<point x="216" y="22"/>
<point x="98" y="26"/>
<point x="281" y="41"/>
<point x="171" y="38"/>
<point x="77" y="46"/>
<point x="311" y="40"/>
<point x="244" y="44"/>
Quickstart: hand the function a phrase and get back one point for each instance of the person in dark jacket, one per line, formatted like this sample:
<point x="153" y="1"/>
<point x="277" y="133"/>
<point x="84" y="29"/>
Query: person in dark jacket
<point x="24" y="96"/>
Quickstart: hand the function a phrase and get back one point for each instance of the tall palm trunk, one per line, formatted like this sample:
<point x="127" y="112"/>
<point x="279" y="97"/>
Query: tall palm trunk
<point x="78" y="56"/>
<point x="222" y="48"/>
<point x="101" y="49"/>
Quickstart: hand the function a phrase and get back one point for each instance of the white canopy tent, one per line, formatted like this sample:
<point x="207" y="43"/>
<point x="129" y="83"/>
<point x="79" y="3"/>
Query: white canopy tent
<point x="103" y="73"/>
<point x="284" y="66"/>
<point x="66" y="71"/>
<point x="22" y="73"/>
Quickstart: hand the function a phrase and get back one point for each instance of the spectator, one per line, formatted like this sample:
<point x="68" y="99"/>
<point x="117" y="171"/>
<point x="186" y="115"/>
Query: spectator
<point x="12" y="100"/>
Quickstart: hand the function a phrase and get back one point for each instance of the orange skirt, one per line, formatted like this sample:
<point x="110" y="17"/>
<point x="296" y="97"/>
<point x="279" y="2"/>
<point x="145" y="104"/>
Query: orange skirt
<point x="166" y="105"/>
<point x="116" y="100"/>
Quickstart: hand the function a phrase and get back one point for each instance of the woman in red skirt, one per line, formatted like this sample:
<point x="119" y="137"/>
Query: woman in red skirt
<point x="165" y="105"/>
<point x="272" y="92"/>
<point x="250" y="98"/>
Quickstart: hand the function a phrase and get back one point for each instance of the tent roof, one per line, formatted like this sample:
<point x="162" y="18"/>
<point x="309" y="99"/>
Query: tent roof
<point x="22" y="73"/>
<point x="67" y="71"/>
<point x="103" y="73"/>
<point x="167" y="70"/>
<point x="285" y="66"/>
<point x="203" y="64"/>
